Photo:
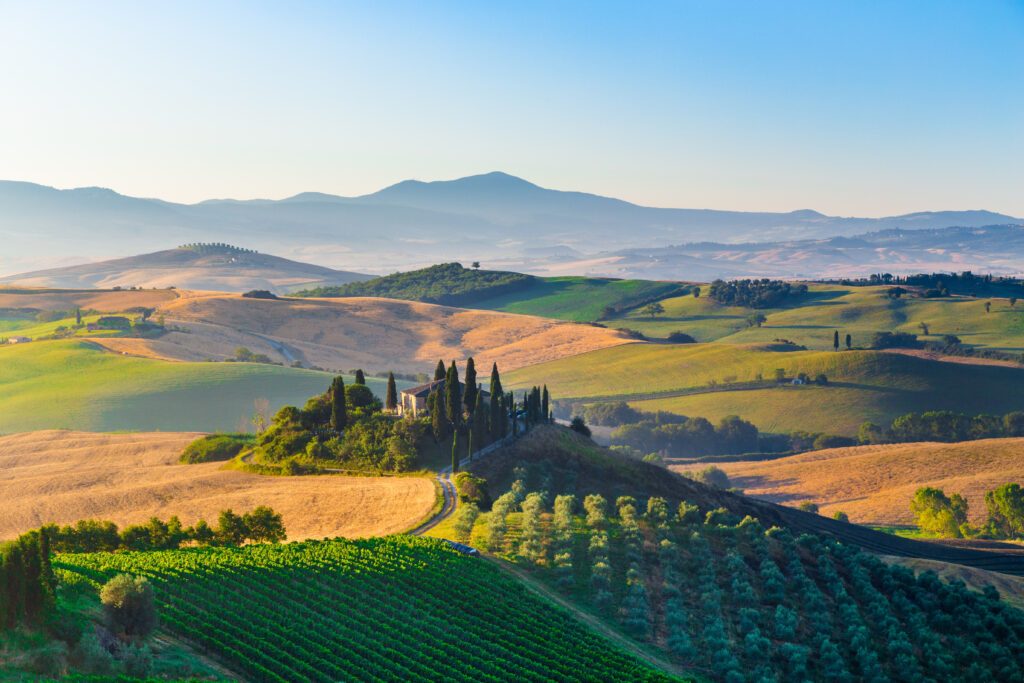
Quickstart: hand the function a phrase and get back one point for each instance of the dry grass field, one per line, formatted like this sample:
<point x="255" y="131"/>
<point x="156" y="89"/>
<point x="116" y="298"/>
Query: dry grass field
<point x="105" y="301"/>
<point x="375" y="334"/>
<point x="61" y="477"/>
<point x="874" y="484"/>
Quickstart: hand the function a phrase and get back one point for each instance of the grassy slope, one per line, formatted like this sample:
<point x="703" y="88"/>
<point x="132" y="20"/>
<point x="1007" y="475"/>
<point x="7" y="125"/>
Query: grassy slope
<point x="863" y="384"/>
<point x="859" y="311"/>
<point x="32" y="329"/>
<point x="573" y="298"/>
<point x="75" y="385"/>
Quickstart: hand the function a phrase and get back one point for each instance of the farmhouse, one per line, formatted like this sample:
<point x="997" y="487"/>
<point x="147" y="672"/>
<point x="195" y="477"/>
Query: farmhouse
<point x="18" y="340"/>
<point x="413" y="401"/>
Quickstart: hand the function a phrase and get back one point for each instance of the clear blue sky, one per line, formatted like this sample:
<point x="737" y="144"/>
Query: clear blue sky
<point x="858" y="107"/>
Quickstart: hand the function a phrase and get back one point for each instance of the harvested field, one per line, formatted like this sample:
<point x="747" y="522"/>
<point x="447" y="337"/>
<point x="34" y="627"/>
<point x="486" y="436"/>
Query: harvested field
<point x="105" y="301"/>
<point x="375" y="334"/>
<point x="60" y="476"/>
<point x="874" y="484"/>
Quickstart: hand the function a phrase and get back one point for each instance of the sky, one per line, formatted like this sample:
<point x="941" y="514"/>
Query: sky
<point x="865" y="107"/>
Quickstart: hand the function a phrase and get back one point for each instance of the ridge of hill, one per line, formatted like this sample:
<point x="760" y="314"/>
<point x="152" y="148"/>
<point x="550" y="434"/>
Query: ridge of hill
<point x="203" y="267"/>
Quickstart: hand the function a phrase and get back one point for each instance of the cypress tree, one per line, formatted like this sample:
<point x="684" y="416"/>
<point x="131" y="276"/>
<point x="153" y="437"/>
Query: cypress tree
<point x="391" y="395"/>
<point x="469" y="445"/>
<point x="471" y="389"/>
<point x="78" y="315"/>
<point x="339" y="417"/>
<point x="455" y="452"/>
<point x="512" y="412"/>
<point x="440" y="371"/>
<point x="849" y="341"/>
<point x="360" y="377"/>
<point x="498" y="423"/>
<point x="545" y="403"/>
<point x="453" y="396"/>
<point x="438" y="419"/>
<point x="479" y="422"/>
<point x="835" y="340"/>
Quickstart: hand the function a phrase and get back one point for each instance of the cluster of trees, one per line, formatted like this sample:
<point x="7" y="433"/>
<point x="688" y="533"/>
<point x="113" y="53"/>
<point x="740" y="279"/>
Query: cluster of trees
<point x="943" y="425"/>
<point x="762" y="293"/>
<point x="216" y="248"/>
<point x="27" y="583"/>
<point x="895" y="340"/>
<point x="445" y="283"/>
<point x="946" y="515"/>
<point x="677" y="435"/>
<point x="261" y="525"/>
<point x="945" y="283"/>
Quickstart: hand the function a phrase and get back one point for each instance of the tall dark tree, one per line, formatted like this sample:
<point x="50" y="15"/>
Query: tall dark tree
<point x="360" y="377"/>
<point x="78" y="315"/>
<point x="512" y="413"/>
<point x="339" y="416"/>
<point x="479" y="424"/>
<point x="849" y="341"/>
<point x="545" y="405"/>
<point x="438" y="419"/>
<point x="498" y="423"/>
<point x="440" y="371"/>
<point x="835" y="340"/>
<point x="453" y="396"/>
<point x="455" y="452"/>
<point x="391" y="395"/>
<point x="469" y="397"/>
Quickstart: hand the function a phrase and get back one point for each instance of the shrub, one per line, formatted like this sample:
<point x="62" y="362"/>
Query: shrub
<point x="579" y="426"/>
<point x="214" y="448"/>
<point x="259" y="294"/>
<point x="680" y="338"/>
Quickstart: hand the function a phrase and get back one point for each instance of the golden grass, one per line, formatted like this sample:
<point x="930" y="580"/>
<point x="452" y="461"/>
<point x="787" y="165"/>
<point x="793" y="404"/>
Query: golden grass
<point x="874" y="484"/>
<point x="100" y="300"/>
<point x="60" y="476"/>
<point x="375" y="334"/>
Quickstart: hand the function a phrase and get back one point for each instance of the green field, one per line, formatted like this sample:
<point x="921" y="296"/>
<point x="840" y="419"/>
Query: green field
<point x="33" y="329"/>
<point x="389" y="609"/>
<point x="73" y="384"/>
<point x="863" y="385"/>
<point x="578" y="299"/>
<point x="859" y="311"/>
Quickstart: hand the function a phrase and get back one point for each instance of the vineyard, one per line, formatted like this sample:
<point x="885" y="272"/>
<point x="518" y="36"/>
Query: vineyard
<point x="387" y="609"/>
<point x="731" y="601"/>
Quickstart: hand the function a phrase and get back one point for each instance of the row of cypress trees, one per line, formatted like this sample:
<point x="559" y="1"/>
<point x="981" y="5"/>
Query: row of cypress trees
<point x="27" y="582"/>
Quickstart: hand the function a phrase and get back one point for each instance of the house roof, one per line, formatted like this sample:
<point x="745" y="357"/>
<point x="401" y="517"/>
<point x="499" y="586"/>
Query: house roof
<point x="424" y="390"/>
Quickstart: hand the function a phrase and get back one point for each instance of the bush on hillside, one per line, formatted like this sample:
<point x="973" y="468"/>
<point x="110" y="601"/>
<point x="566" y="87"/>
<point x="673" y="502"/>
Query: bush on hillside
<point x="895" y="340"/>
<point x="215" y="448"/>
<point x="259" y="294"/>
<point x="680" y="338"/>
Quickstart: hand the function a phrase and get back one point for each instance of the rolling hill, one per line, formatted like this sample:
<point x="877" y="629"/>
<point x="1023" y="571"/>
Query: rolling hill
<point x="874" y="484"/>
<point x="695" y="380"/>
<point x="76" y="384"/>
<point x="205" y="267"/>
<point x="61" y="477"/>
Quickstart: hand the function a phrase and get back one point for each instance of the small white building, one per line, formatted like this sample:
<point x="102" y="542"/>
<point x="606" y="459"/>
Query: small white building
<point x="18" y="340"/>
<point x="413" y="401"/>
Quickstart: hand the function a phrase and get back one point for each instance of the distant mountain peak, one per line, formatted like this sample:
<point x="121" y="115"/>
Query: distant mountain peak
<point x="495" y="181"/>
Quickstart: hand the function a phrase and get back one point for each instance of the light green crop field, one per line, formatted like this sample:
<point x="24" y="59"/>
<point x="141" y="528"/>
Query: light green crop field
<point x="863" y="385"/>
<point x="71" y="384"/>
<point x="33" y="329"/>
<point x="578" y="299"/>
<point x="859" y="311"/>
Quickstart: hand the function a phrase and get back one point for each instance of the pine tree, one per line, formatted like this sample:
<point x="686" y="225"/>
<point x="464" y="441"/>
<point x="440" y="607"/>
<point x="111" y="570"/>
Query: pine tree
<point x="545" y="405"/>
<point x="453" y="397"/>
<point x="835" y="340"/>
<point x="360" y="377"/>
<point x="391" y="395"/>
<point x="455" y="452"/>
<point x="440" y="371"/>
<point x="339" y="417"/>
<point x="469" y="397"/>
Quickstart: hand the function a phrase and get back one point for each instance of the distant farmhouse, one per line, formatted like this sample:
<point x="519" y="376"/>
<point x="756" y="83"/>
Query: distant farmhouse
<point x="18" y="340"/>
<point x="413" y="401"/>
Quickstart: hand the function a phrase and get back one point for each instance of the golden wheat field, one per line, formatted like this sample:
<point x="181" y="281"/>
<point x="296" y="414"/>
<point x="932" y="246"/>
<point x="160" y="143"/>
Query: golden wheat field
<point x="375" y="334"/>
<point x="106" y="301"/>
<point x="874" y="484"/>
<point x="61" y="477"/>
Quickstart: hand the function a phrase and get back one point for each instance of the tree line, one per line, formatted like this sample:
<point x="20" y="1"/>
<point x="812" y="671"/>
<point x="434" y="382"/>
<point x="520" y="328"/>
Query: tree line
<point x="762" y="293"/>
<point x="946" y="515"/>
<point x="943" y="425"/>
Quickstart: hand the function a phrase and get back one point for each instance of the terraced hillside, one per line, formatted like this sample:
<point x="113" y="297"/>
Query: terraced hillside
<point x="719" y="379"/>
<point x="77" y="384"/>
<point x="63" y="477"/>
<point x="874" y="484"/>
<point x="396" y="608"/>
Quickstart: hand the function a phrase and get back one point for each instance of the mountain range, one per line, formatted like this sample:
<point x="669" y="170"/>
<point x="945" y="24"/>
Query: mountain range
<point x="484" y="217"/>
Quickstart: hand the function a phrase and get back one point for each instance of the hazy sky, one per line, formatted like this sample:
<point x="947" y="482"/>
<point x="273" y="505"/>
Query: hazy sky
<point x="857" y="107"/>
